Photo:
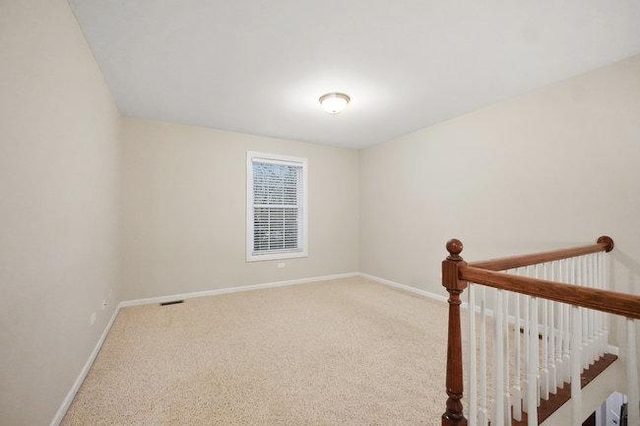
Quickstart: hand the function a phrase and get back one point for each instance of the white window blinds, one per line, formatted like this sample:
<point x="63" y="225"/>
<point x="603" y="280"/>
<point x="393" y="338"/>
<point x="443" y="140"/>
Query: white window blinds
<point x="276" y="219"/>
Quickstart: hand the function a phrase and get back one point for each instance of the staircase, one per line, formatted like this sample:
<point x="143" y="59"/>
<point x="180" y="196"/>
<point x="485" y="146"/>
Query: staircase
<point x="549" y="408"/>
<point x="541" y="321"/>
<point x="593" y="395"/>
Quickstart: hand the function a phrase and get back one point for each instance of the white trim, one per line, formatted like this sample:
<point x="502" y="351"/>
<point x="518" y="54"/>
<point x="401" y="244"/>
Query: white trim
<point x="303" y="236"/>
<point x="276" y="256"/>
<point x="267" y="157"/>
<point x="62" y="410"/>
<point x="228" y="290"/>
<point x="613" y="350"/>
<point x="414" y="290"/>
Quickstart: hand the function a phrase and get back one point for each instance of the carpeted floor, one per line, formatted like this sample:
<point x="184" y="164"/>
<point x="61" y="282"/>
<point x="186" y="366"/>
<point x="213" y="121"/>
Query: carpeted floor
<point x="336" y="352"/>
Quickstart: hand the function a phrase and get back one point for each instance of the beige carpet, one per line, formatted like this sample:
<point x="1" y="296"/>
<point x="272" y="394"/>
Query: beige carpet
<point x="336" y="352"/>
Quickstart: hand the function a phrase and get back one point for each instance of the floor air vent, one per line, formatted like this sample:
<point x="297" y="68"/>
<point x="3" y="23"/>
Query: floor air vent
<point x="173" y="302"/>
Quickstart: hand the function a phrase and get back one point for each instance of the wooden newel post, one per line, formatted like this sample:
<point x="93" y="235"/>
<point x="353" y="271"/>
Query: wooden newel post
<point x="453" y="415"/>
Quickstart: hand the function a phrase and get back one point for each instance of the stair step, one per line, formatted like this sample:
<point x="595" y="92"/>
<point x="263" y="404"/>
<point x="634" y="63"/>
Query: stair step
<point x="563" y="394"/>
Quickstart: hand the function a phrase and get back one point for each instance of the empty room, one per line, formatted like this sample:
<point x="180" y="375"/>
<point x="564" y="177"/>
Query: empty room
<point x="314" y="213"/>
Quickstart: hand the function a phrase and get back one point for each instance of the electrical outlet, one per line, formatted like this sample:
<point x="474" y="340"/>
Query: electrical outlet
<point x="281" y="265"/>
<point x="92" y="318"/>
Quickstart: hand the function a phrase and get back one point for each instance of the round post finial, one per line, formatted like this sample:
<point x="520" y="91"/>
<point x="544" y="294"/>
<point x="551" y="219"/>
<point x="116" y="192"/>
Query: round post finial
<point x="454" y="247"/>
<point x="608" y="241"/>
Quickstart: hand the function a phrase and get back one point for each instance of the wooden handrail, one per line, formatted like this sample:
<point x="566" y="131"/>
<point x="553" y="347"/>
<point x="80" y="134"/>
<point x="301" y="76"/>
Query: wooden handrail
<point x="456" y="273"/>
<point x="623" y="304"/>
<point x="604" y="243"/>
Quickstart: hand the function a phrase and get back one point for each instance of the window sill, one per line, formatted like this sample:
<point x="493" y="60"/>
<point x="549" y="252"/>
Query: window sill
<point x="275" y="256"/>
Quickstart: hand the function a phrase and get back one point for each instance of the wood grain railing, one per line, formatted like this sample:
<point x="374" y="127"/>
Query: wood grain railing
<point x="608" y="301"/>
<point x="604" y="243"/>
<point x="456" y="273"/>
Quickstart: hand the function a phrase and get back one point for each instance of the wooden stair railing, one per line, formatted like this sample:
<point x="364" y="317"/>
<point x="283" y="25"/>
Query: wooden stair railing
<point x="453" y="415"/>
<point x="456" y="273"/>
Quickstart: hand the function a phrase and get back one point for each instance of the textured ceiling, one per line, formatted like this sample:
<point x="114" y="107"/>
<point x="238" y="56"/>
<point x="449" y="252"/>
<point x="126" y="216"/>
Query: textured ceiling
<point x="259" y="67"/>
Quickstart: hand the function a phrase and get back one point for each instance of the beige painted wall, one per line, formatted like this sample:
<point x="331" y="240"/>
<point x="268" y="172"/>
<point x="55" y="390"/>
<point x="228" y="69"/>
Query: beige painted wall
<point x="556" y="167"/>
<point x="505" y="175"/>
<point x="184" y="213"/>
<point x="58" y="207"/>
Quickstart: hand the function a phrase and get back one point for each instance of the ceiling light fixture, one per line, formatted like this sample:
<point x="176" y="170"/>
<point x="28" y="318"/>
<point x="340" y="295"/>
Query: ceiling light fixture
<point x="334" y="102"/>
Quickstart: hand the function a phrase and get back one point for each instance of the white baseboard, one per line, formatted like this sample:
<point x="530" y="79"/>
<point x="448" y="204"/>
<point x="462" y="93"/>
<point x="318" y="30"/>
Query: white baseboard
<point x="152" y="300"/>
<point x="83" y="373"/>
<point x="414" y="290"/>
<point x="85" y="370"/>
<point x="162" y="299"/>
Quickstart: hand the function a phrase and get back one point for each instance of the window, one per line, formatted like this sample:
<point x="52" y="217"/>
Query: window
<point x="276" y="207"/>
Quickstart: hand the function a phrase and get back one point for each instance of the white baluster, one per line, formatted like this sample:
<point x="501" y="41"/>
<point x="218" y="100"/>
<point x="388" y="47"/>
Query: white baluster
<point x="527" y="353"/>
<point x="606" y="286"/>
<point x="604" y="334"/>
<point x="532" y="365"/>
<point x="581" y="280"/>
<point x="593" y="332"/>
<point x="505" y="330"/>
<point x="576" y="365"/>
<point x="473" y="389"/>
<point x="566" y="350"/>
<point x="483" y="416"/>
<point x="535" y="324"/>
<point x="593" y="341"/>
<point x="517" y="390"/>
<point x="544" y="376"/>
<point x="553" y="356"/>
<point x="498" y="371"/>
<point x="633" y="387"/>
<point x="600" y="316"/>
<point x="585" y="315"/>
<point x="560" y="342"/>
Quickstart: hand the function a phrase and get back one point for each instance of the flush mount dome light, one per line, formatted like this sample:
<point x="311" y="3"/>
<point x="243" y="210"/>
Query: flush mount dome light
<point x="334" y="102"/>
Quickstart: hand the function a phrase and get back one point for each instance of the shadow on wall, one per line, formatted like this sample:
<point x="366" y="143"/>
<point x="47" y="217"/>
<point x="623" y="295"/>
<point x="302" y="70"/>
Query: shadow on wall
<point x="626" y="273"/>
<point x="626" y="279"/>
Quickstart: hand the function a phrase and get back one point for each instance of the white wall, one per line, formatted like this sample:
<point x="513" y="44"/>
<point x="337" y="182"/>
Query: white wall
<point x="553" y="168"/>
<point x="58" y="207"/>
<point x="184" y="213"/>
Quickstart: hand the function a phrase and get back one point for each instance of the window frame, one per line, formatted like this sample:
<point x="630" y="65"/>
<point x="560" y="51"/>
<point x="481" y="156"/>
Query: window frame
<point x="251" y="256"/>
